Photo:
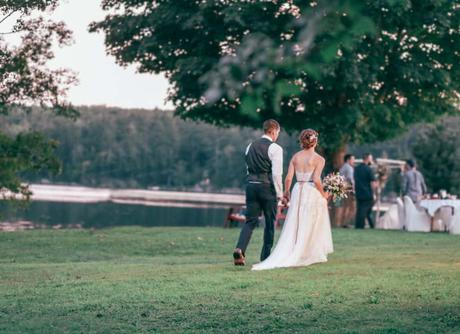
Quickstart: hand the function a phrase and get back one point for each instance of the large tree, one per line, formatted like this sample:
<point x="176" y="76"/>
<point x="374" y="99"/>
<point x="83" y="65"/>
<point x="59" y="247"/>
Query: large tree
<point x="358" y="71"/>
<point x="26" y="42"/>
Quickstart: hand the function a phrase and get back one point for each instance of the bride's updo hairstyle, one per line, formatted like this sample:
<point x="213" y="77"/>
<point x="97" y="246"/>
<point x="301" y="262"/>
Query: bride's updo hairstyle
<point x="308" y="138"/>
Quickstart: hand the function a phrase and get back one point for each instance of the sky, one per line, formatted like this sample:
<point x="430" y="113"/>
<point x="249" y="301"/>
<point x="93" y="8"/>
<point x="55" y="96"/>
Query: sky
<point x="101" y="80"/>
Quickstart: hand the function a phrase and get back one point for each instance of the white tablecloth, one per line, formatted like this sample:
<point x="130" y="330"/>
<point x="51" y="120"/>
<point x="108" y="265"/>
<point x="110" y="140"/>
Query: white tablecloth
<point x="431" y="205"/>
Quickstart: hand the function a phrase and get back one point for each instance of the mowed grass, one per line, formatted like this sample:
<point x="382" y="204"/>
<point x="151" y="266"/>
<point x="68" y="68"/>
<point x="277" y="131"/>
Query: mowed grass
<point x="181" y="280"/>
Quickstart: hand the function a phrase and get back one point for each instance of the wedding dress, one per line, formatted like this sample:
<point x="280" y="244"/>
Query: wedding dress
<point x="306" y="235"/>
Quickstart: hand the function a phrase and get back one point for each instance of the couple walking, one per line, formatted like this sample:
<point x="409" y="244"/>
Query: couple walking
<point x="306" y="235"/>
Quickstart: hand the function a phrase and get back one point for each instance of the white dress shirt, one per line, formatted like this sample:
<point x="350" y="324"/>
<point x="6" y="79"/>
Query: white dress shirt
<point x="275" y="153"/>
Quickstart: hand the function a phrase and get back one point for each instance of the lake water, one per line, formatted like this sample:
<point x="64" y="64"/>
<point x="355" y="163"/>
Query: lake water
<point x="108" y="214"/>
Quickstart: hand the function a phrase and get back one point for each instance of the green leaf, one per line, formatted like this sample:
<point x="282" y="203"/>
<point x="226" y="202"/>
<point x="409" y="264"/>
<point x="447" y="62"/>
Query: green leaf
<point x="312" y="69"/>
<point x="283" y="89"/>
<point x="286" y="88"/>
<point x="250" y="104"/>
<point x="329" y="52"/>
<point x="364" y="26"/>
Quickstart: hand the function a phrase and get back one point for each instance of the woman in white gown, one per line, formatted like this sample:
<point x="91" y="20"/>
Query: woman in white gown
<point x="306" y="235"/>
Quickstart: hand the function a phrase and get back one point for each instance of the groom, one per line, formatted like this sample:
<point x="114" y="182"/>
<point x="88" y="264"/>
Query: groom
<point x="264" y="187"/>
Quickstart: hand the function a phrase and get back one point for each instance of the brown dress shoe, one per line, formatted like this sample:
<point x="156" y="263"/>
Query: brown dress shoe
<point x="238" y="257"/>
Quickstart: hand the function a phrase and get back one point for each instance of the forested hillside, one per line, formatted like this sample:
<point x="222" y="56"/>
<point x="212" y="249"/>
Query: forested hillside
<point x="141" y="148"/>
<point x="114" y="147"/>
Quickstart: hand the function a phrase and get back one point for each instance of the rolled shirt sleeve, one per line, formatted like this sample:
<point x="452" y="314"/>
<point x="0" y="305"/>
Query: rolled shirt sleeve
<point x="247" y="149"/>
<point x="246" y="153"/>
<point x="423" y="184"/>
<point x="275" y="153"/>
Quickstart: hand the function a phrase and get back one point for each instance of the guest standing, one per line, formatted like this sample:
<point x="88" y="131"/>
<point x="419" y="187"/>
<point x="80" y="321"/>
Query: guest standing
<point x="346" y="210"/>
<point x="365" y="182"/>
<point x="413" y="182"/>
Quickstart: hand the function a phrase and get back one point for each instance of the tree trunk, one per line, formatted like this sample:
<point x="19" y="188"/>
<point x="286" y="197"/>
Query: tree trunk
<point x="337" y="157"/>
<point x="334" y="157"/>
<point x="335" y="161"/>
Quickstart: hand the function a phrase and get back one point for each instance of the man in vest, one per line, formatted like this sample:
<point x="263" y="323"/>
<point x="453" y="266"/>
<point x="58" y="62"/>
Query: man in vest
<point x="264" y="188"/>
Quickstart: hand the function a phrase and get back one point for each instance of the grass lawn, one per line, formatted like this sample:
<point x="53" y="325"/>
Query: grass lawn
<point x="181" y="280"/>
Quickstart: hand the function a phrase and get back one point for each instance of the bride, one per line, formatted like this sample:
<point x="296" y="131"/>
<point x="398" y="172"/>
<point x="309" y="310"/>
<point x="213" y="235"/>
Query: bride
<point x="306" y="236"/>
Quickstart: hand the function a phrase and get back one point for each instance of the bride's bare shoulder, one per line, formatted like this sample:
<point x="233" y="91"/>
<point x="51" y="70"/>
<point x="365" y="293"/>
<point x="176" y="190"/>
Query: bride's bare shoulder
<point x="319" y="158"/>
<point x="296" y="156"/>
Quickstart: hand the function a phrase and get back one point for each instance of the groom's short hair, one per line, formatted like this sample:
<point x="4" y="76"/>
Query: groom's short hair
<point x="270" y="125"/>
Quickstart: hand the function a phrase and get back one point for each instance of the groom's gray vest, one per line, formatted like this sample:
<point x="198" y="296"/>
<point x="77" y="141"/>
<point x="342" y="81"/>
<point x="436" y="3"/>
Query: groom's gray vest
<point x="258" y="161"/>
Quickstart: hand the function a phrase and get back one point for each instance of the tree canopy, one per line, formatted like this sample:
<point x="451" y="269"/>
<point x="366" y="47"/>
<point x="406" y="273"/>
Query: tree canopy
<point x="25" y="81"/>
<point x="357" y="71"/>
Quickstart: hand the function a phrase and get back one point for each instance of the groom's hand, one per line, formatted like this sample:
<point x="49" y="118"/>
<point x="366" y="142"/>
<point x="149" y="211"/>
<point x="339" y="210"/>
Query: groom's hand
<point x="287" y="195"/>
<point x="284" y="201"/>
<point x="280" y="201"/>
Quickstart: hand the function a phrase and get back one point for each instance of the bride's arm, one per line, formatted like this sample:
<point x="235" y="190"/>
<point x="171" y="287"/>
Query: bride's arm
<point x="317" y="177"/>
<point x="288" y="180"/>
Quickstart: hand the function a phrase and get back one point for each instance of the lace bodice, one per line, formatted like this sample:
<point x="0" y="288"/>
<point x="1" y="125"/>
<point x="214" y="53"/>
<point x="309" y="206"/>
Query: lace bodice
<point x="303" y="177"/>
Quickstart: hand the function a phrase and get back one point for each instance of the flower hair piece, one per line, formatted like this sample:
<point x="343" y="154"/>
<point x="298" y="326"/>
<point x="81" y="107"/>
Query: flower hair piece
<point x="308" y="138"/>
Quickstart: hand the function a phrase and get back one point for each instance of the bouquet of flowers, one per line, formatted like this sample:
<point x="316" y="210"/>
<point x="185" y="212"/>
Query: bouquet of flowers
<point x="336" y="185"/>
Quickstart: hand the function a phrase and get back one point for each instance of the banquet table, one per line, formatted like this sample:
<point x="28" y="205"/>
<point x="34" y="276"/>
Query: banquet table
<point x="431" y="205"/>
